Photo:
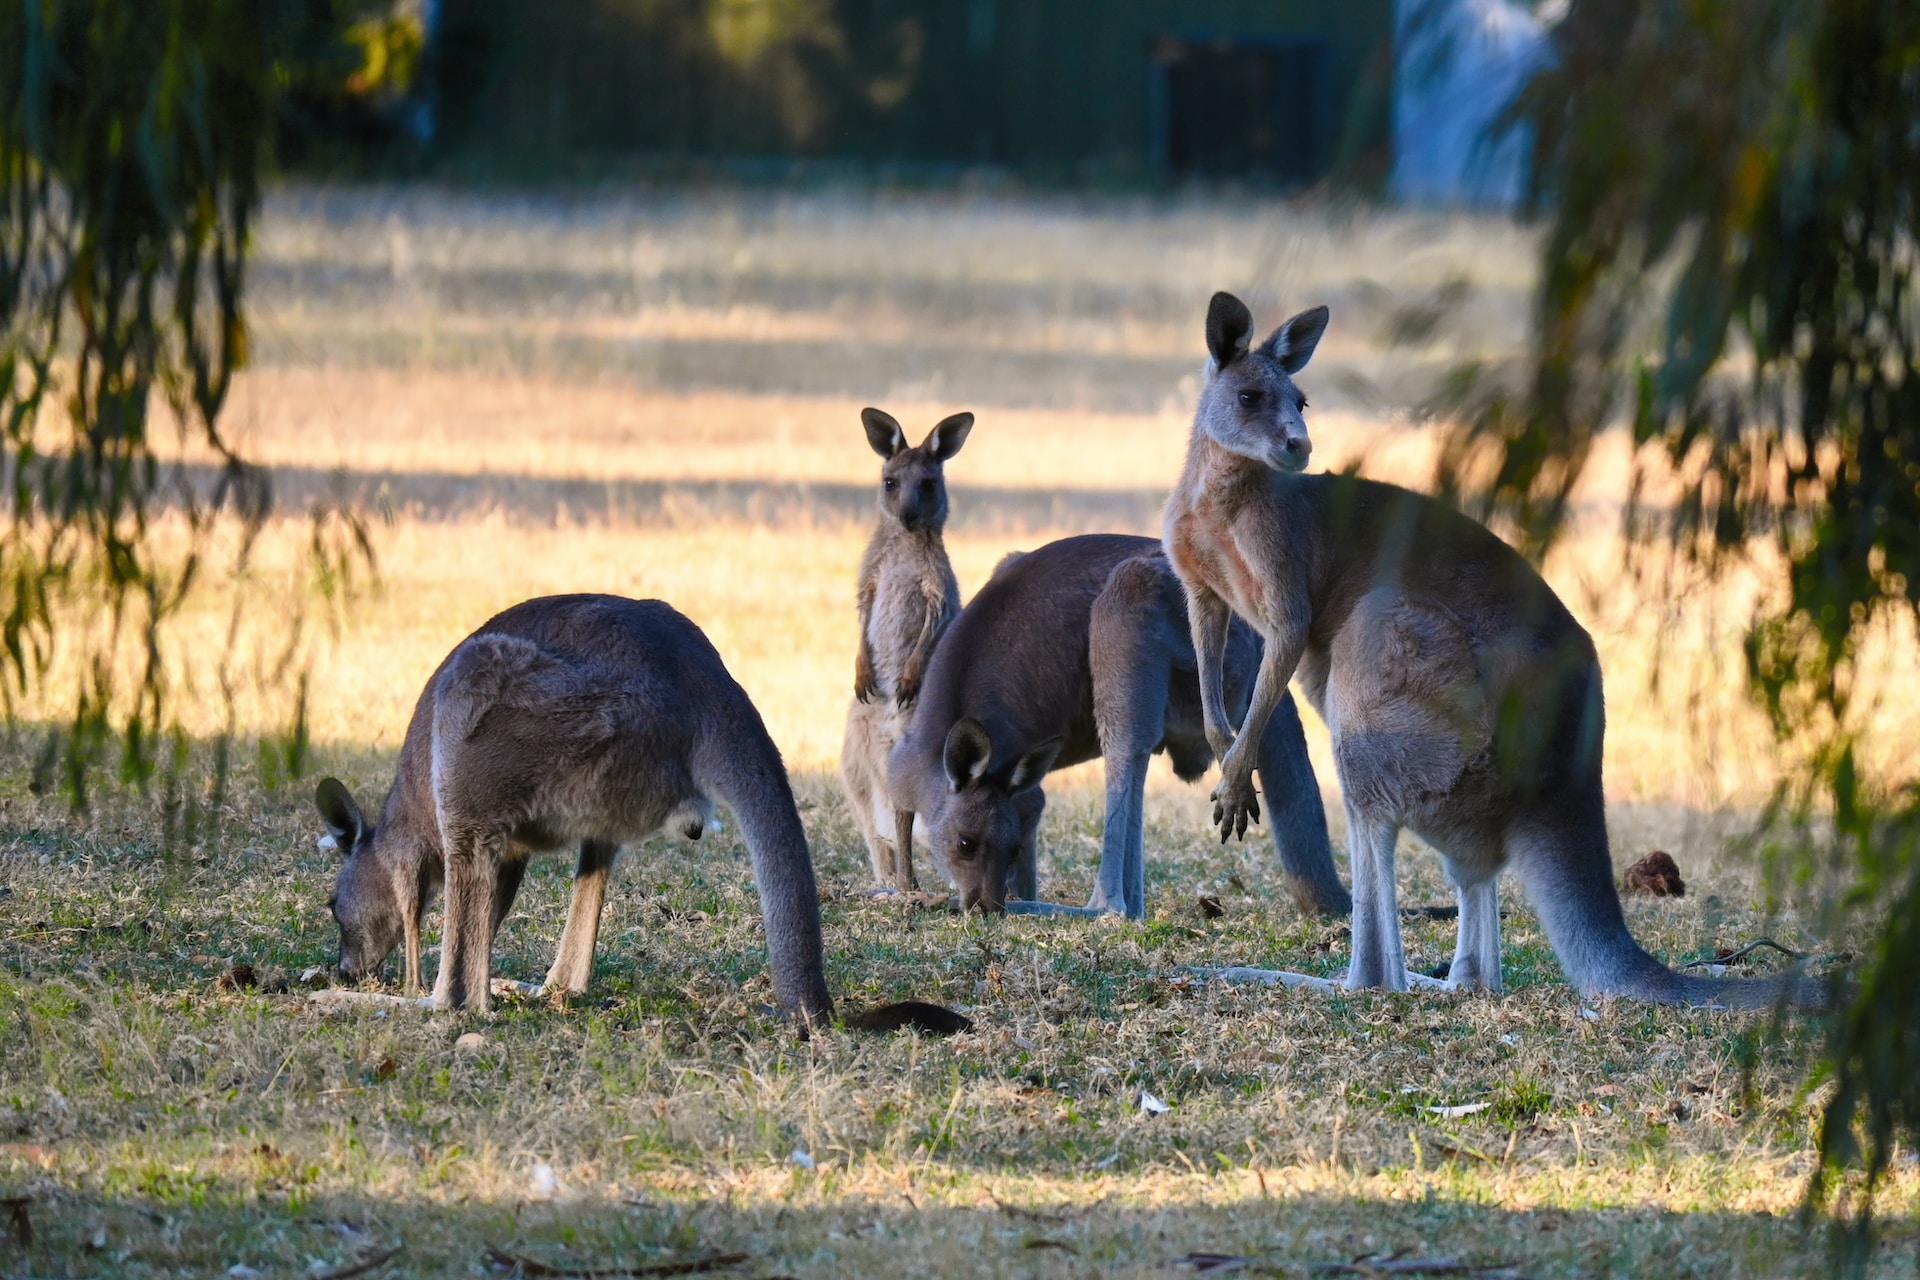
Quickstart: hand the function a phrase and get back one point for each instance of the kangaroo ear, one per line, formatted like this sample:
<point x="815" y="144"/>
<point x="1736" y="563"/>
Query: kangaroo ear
<point x="1292" y="343"/>
<point x="1229" y="329"/>
<point x="967" y="754"/>
<point x="1030" y="768"/>
<point x="883" y="432"/>
<point x="342" y="816"/>
<point x="945" y="440"/>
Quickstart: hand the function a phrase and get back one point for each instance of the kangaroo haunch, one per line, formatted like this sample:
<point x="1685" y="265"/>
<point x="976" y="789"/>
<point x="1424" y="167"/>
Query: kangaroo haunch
<point x="581" y="721"/>
<point x="907" y="596"/>
<point x="1070" y="652"/>
<point x="1463" y="699"/>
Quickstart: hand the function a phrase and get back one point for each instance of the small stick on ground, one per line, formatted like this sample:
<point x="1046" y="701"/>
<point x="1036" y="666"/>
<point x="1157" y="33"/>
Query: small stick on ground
<point x="1030" y="1215"/>
<point x="1395" y="1265"/>
<point x="363" y="1266"/>
<point x="1735" y="957"/>
<point x="513" y="1264"/>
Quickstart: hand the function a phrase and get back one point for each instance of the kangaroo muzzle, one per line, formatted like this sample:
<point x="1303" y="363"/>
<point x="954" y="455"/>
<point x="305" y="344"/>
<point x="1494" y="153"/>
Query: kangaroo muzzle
<point x="1291" y="453"/>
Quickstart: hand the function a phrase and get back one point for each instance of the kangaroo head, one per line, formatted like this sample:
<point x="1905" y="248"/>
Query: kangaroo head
<point x="366" y="898"/>
<point x="1250" y="405"/>
<point x="913" y="482"/>
<point x="974" y="829"/>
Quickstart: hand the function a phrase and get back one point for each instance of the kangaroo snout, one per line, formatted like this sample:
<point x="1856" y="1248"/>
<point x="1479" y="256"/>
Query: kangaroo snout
<point x="1291" y="452"/>
<point x="977" y="898"/>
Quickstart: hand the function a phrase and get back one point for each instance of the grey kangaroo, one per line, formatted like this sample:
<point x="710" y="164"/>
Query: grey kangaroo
<point x="581" y="720"/>
<point x="907" y="596"/>
<point x="1463" y="699"/>
<point x="1071" y="652"/>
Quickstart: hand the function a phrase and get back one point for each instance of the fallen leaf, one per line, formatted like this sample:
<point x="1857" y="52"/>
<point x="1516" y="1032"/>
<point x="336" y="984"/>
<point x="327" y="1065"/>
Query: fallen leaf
<point x="238" y="977"/>
<point x="1654" y="876"/>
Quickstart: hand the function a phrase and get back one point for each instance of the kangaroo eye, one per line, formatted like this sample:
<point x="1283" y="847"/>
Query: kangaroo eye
<point x="969" y="845"/>
<point x="891" y="484"/>
<point x="1250" y="399"/>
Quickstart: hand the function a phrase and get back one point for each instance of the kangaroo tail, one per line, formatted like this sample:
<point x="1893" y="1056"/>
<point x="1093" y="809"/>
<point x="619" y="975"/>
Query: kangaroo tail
<point x="1569" y="877"/>
<point x="737" y="761"/>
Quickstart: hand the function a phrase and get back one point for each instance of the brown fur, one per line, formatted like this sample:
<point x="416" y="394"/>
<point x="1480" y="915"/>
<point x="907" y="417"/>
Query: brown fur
<point x="567" y="721"/>
<point x="1464" y="700"/>
<point x="907" y="596"/>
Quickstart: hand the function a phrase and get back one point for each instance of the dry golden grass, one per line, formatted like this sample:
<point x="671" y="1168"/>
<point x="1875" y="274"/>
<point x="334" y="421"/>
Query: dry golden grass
<point x="189" y="1129"/>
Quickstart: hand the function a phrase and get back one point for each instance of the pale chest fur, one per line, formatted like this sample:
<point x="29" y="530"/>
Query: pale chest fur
<point x="1207" y="547"/>
<point x="906" y="591"/>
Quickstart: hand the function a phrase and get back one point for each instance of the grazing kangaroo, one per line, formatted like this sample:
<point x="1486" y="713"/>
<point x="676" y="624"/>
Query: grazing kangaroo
<point x="907" y="596"/>
<point x="1463" y="698"/>
<point x="1074" y="651"/>
<point x="581" y="720"/>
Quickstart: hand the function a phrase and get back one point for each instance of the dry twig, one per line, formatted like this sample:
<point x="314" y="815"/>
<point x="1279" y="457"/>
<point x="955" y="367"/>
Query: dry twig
<point x="513" y="1264"/>
<point x="363" y="1266"/>
<point x="1368" y="1264"/>
<point x="1735" y="957"/>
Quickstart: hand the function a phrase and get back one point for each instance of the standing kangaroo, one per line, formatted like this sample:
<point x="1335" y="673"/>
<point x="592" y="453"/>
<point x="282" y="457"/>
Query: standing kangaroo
<point x="1463" y="699"/>
<point x="581" y="720"/>
<point x="1071" y="652"/>
<point x="907" y="596"/>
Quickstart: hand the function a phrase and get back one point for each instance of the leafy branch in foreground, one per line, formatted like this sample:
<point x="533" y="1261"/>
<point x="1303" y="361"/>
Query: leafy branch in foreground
<point x="1730" y="265"/>
<point x="131" y="143"/>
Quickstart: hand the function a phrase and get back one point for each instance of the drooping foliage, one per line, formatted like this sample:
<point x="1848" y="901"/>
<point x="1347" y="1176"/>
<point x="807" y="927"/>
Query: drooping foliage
<point x="132" y="140"/>
<point x="1730" y="190"/>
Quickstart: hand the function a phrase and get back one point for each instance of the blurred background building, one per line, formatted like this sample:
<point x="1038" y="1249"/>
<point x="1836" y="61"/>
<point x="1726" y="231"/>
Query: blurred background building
<point x="1380" y="95"/>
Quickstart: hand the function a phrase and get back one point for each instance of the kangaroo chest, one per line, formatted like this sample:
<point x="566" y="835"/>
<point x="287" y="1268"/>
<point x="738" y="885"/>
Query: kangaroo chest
<point x="901" y="602"/>
<point x="1203" y="548"/>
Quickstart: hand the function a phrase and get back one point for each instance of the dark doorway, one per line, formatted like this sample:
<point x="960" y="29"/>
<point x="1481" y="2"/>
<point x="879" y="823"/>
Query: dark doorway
<point x="1225" y="107"/>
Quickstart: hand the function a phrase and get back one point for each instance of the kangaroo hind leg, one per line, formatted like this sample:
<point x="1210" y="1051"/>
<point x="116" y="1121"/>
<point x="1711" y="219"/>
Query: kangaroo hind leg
<point x="863" y="774"/>
<point x="573" y="962"/>
<point x="1378" y="957"/>
<point x="1133" y="634"/>
<point x="1476" y="954"/>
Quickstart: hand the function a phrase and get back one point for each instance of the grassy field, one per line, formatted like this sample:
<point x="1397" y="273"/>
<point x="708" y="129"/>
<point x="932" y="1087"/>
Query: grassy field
<point x="658" y="396"/>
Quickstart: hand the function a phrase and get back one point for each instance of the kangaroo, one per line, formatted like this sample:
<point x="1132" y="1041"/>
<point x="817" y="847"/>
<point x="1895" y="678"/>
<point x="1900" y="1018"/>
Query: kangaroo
<point x="1074" y="651"/>
<point x="907" y="596"/>
<point x="579" y="720"/>
<point x="1464" y="700"/>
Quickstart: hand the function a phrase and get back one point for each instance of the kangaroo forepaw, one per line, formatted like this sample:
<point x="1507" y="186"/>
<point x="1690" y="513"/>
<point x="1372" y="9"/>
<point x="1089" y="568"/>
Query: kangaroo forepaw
<point x="1235" y="803"/>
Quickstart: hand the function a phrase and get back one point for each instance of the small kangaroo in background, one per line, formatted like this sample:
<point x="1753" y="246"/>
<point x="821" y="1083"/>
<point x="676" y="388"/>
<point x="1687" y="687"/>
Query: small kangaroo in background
<point x="1464" y="700"/>
<point x="907" y="596"/>
<point x="567" y="721"/>
<point x="1071" y="652"/>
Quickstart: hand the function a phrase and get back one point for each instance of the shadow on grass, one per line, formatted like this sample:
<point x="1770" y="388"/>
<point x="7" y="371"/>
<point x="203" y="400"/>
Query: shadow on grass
<point x="434" y="495"/>
<point x="929" y="1225"/>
